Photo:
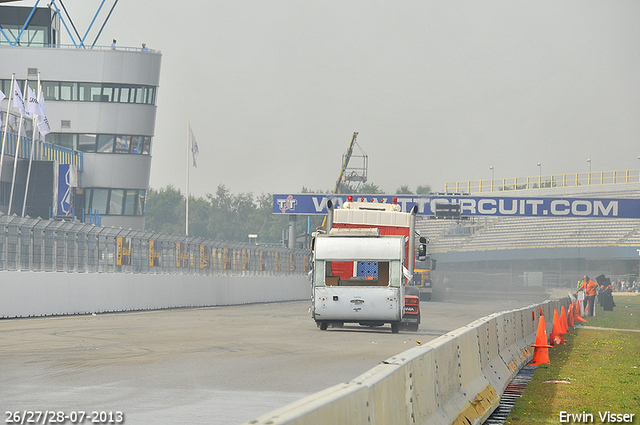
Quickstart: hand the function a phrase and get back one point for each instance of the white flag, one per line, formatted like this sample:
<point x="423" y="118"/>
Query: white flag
<point x="194" y="146"/>
<point x="2" y="96"/>
<point x="43" y="122"/>
<point x="32" y="103"/>
<point x="18" y="102"/>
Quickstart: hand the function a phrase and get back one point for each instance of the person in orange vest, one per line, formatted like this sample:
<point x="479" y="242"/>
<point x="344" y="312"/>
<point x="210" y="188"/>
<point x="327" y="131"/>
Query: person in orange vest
<point x="589" y="287"/>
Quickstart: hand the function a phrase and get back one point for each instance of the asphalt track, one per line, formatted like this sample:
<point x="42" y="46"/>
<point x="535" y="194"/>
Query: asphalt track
<point x="218" y="365"/>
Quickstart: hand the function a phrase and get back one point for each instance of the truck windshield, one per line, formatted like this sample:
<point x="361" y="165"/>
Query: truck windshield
<point x="358" y="273"/>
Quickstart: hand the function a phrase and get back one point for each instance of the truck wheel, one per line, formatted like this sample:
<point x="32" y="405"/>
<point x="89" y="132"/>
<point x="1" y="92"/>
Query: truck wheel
<point x="324" y="326"/>
<point x="395" y="327"/>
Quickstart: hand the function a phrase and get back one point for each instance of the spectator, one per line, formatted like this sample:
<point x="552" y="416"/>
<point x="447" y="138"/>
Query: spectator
<point x="589" y="288"/>
<point x="144" y="47"/>
<point x="113" y="44"/>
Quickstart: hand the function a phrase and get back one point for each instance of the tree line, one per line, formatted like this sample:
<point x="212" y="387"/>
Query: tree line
<point x="232" y="217"/>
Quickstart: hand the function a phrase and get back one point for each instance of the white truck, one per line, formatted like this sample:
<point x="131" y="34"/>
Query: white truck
<point x="361" y="267"/>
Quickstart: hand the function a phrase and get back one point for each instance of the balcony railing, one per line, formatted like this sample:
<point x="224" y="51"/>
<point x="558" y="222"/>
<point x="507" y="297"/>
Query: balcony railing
<point x="541" y="182"/>
<point x="45" y="151"/>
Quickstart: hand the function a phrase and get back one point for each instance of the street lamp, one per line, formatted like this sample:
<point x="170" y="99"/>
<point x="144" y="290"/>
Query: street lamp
<point x="589" y="161"/>
<point x="540" y="175"/>
<point x="492" y="170"/>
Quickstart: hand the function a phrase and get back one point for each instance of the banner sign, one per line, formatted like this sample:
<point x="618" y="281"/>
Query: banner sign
<point x="123" y="251"/>
<point x="155" y="253"/>
<point x="67" y="179"/>
<point x="205" y="257"/>
<point x="182" y="257"/>
<point x="496" y="206"/>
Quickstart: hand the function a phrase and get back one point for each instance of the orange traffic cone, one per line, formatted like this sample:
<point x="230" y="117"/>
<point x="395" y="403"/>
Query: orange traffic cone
<point x="557" y="336"/>
<point x="563" y="321"/>
<point x="570" y="316"/>
<point x="577" y="317"/>
<point x="541" y="352"/>
<point x="587" y="308"/>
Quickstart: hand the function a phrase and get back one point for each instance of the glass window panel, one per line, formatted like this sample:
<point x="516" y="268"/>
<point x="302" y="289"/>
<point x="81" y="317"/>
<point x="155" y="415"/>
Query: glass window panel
<point x="68" y="91"/>
<point x="116" y="94"/>
<point x="107" y="94"/>
<point x="130" y="202"/>
<point x="146" y="145"/>
<point x="34" y="86"/>
<point x="136" y="144"/>
<point x="51" y="90"/>
<point x="105" y="143"/>
<point x="151" y="95"/>
<point x="96" y="93"/>
<point x="139" y="95"/>
<point x="87" y="200"/>
<point x="124" y="94"/>
<point x="84" y="90"/>
<point x="140" y="203"/>
<point x="87" y="142"/>
<point x="99" y="201"/>
<point x="90" y="92"/>
<point x="115" y="202"/>
<point x="67" y="140"/>
<point x="122" y="144"/>
<point x="33" y="36"/>
<point x="52" y="138"/>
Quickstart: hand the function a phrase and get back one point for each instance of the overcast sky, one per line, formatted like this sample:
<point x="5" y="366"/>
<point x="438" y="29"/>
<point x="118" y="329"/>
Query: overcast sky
<point x="438" y="90"/>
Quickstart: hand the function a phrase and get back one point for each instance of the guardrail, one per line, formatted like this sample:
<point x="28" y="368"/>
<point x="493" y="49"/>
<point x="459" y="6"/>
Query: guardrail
<point x="538" y="182"/>
<point x="457" y="378"/>
<point x="28" y="244"/>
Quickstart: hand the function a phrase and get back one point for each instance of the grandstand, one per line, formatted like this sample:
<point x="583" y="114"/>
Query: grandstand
<point x="505" y="250"/>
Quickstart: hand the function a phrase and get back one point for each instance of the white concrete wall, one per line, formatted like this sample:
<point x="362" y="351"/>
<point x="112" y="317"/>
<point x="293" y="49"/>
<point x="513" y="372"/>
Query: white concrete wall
<point x="24" y="294"/>
<point x="457" y="378"/>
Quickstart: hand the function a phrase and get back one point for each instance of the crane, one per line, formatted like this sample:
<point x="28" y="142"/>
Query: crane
<point x="353" y="174"/>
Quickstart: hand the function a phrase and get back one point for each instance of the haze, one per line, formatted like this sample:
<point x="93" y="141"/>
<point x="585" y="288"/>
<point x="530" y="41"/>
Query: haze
<point x="438" y="90"/>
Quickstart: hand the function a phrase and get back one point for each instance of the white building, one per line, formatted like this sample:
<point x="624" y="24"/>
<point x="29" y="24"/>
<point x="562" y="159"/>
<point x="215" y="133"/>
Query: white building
<point x="101" y="107"/>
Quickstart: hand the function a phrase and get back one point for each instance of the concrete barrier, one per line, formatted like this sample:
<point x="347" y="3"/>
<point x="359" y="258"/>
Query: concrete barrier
<point x="27" y="294"/>
<point x="457" y="378"/>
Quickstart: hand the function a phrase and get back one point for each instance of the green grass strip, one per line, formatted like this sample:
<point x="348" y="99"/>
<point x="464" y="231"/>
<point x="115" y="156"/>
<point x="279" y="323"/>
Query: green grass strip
<point x="597" y="371"/>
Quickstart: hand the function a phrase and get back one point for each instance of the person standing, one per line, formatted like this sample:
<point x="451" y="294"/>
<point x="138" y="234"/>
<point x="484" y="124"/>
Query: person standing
<point x="589" y="287"/>
<point x="144" y="47"/>
<point x="113" y="44"/>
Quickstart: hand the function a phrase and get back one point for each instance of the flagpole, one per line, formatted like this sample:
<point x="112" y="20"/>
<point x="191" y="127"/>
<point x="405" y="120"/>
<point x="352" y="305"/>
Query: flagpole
<point x="33" y="148"/>
<point x="187" y="201"/>
<point x="15" y="158"/>
<point x="6" y="125"/>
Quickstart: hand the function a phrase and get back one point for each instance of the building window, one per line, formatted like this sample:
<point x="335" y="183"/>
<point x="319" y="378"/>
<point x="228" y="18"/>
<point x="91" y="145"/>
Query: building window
<point x="102" y="143"/>
<point x="130" y="202"/>
<point x="87" y="142"/>
<point x="68" y="91"/>
<point x="34" y="35"/>
<point x="123" y="143"/>
<point x="116" y="202"/>
<point x="105" y="143"/>
<point x="119" y="201"/>
<point x="99" y="200"/>
<point x="91" y="92"/>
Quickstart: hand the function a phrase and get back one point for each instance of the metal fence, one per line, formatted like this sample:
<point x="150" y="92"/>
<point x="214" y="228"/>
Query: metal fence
<point x="29" y="244"/>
